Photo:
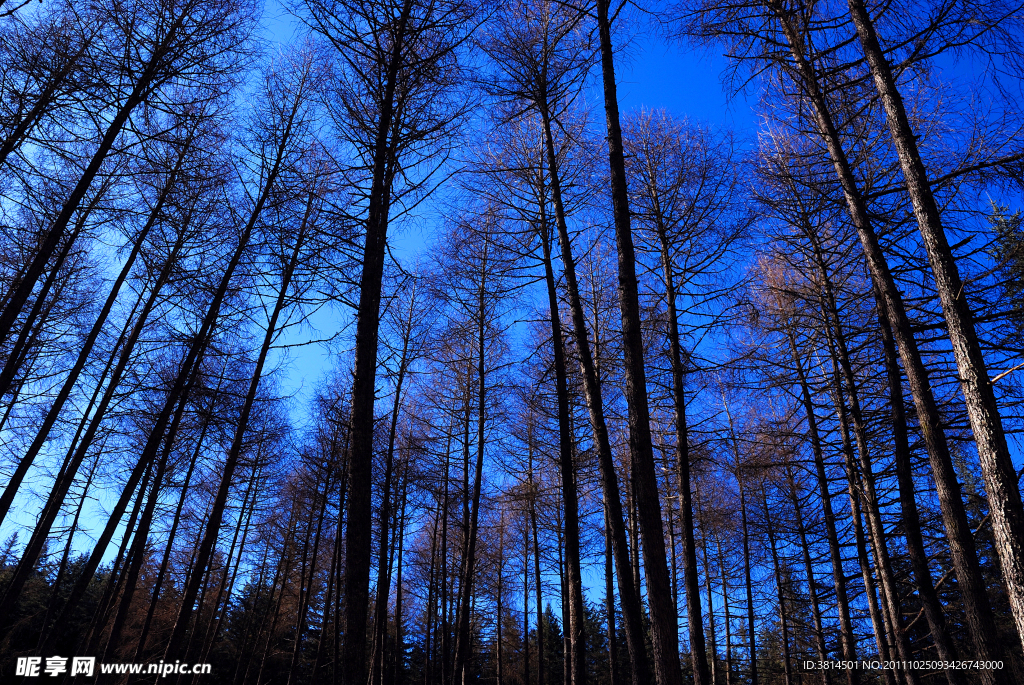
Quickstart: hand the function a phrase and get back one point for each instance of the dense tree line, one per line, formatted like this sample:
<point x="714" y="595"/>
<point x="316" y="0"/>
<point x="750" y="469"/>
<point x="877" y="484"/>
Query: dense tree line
<point x="621" y="399"/>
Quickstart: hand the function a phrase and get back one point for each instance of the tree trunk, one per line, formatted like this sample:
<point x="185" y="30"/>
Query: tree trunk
<point x="1001" y="481"/>
<point x="526" y="605"/>
<point x="383" y="589"/>
<point x="428" y="647"/>
<point x="630" y="600"/>
<point x="536" y="574"/>
<point x="849" y="644"/>
<point x="212" y="529"/>
<point x="176" y="521"/>
<point x="751" y="635"/>
<point x="841" y="356"/>
<point x="609" y="605"/>
<point x="926" y="593"/>
<point x="306" y="589"/>
<point x="664" y="628"/>
<point x="786" y="659"/>
<point x="812" y="590"/>
<point x="399" y="669"/>
<point x="852" y="478"/>
<point x="499" y="660"/>
<point x="961" y="540"/>
<point x="727" y="617"/>
<point x="462" y="644"/>
<point x="364" y="386"/>
<point x="570" y="497"/>
<point x="695" y="624"/>
<point x="712" y="635"/>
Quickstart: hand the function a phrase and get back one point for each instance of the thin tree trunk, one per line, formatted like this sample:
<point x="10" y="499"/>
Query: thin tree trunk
<point x="727" y="617"/>
<point x="246" y="655"/>
<point x="383" y="590"/>
<point x="499" y="666"/>
<point x="695" y="624"/>
<point x="566" y="466"/>
<point x="609" y="605"/>
<point x="713" y="638"/>
<point x="443" y="609"/>
<point x="672" y="565"/>
<point x="536" y="571"/>
<point x="908" y="502"/>
<point x="138" y="554"/>
<point x="526" y="605"/>
<point x="786" y="659"/>
<point x="428" y="652"/>
<point x="399" y="669"/>
<point x="227" y="587"/>
<point x="62" y="568"/>
<point x="306" y="590"/>
<point x="165" y="563"/>
<point x="462" y="645"/>
<point x="852" y="478"/>
<point x="115" y="577"/>
<point x="892" y="609"/>
<point x="634" y="538"/>
<point x="751" y="635"/>
<point x="848" y="642"/>
<point x="212" y="529"/>
<point x="338" y="546"/>
<point x="812" y="590"/>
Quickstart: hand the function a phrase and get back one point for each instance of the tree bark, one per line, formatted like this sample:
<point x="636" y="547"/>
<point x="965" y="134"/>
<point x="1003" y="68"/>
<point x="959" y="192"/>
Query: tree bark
<point x="629" y="598"/>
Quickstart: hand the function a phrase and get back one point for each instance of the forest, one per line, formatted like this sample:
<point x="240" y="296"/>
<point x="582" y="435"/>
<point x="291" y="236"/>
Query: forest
<point x="403" y="352"/>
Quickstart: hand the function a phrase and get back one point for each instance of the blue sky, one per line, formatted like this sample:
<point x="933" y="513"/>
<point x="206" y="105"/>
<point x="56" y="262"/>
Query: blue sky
<point x="652" y="73"/>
